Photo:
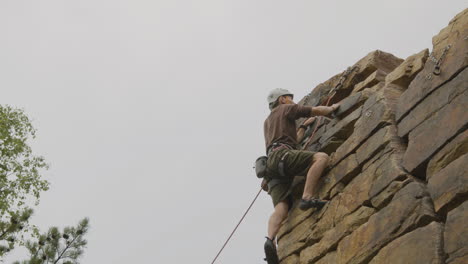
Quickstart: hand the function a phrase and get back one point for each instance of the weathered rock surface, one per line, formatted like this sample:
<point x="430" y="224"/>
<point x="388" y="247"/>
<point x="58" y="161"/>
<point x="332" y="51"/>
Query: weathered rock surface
<point x="333" y="236"/>
<point x="411" y="207"/>
<point x="433" y="133"/>
<point x="398" y="175"/>
<point x="434" y="102"/>
<point x="405" y="72"/>
<point x="375" y="60"/>
<point x="452" y="151"/>
<point x="423" y="245"/>
<point x="455" y="60"/>
<point x="449" y="183"/>
<point x="329" y="258"/>
<point x="373" y="79"/>
<point x="378" y="111"/>
<point x="456" y="234"/>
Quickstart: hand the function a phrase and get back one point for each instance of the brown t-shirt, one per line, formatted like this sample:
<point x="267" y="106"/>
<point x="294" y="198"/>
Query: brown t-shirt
<point x="280" y="125"/>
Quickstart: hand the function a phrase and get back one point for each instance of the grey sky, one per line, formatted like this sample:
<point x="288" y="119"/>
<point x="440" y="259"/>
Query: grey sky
<point x="151" y="112"/>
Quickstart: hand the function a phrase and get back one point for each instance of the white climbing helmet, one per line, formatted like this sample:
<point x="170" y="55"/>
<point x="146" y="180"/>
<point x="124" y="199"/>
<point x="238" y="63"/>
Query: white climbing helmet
<point x="276" y="93"/>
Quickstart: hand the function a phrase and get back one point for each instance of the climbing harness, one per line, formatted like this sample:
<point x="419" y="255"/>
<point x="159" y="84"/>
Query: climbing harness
<point x="261" y="162"/>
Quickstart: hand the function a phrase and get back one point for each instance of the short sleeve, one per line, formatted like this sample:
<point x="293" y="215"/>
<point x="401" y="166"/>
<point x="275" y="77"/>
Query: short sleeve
<point x="295" y="111"/>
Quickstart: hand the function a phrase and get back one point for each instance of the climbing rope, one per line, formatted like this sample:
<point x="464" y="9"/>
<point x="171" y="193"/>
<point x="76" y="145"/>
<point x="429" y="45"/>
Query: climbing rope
<point x="331" y="94"/>
<point x="233" y="231"/>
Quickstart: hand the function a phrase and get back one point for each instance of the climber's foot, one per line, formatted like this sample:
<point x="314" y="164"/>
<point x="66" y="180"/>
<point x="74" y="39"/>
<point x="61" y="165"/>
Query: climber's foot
<point x="311" y="203"/>
<point x="270" y="252"/>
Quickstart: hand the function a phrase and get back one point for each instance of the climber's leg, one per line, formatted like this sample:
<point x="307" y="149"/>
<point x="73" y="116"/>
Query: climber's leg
<point x="310" y="197"/>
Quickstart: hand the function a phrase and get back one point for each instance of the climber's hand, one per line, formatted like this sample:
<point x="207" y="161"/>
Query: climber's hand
<point x="334" y="107"/>
<point x="264" y="185"/>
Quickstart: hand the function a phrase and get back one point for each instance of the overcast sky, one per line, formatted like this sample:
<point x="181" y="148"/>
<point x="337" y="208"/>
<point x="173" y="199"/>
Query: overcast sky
<point x="150" y="112"/>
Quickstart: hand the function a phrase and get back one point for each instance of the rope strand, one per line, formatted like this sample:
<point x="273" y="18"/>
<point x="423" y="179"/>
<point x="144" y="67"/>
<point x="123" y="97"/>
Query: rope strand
<point x="232" y="233"/>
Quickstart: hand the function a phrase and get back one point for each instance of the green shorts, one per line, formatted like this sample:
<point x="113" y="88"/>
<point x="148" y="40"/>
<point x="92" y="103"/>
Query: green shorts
<point x="296" y="163"/>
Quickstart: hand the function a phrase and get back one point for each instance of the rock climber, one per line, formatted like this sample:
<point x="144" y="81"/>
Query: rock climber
<point x="285" y="160"/>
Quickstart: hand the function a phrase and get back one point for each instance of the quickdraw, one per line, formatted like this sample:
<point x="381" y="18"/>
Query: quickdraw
<point x="331" y="94"/>
<point x="438" y="62"/>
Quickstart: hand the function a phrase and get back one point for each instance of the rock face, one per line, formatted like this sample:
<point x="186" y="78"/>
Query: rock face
<point x="398" y="176"/>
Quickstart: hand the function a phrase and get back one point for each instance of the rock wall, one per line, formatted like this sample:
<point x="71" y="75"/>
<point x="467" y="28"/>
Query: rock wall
<point x="398" y="179"/>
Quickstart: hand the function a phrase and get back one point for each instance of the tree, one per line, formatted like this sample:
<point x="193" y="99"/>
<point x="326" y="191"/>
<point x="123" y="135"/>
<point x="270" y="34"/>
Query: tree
<point x="20" y="183"/>
<point x="55" y="247"/>
<point x="20" y="178"/>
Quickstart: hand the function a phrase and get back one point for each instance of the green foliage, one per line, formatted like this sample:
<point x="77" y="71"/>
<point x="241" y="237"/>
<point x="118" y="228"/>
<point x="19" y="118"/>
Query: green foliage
<point x="58" y="247"/>
<point x="20" y="184"/>
<point x="19" y="168"/>
<point x="20" y="179"/>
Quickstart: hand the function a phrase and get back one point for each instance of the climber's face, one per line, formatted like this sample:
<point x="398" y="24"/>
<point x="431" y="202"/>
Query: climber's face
<point x="286" y="99"/>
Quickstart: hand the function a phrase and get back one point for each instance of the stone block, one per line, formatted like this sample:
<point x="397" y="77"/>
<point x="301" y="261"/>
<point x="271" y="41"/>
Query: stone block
<point x="293" y="242"/>
<point x="373" y="61"/>
<point x="386" y="170"/>
<point x="376" y="60"/>
<point x="405" y="72"/>
<point x="381" y="200"/>
<point x="455" y="60"/>
<point x="377" y="112"/>
<point x="344" y="171"/>
<point x="334" y="235"/>
<point x="351" y="103"/>
<point x="293" y="259"/>
<point x="375" y="143"/>
<point x="373" y="79"/>
<point x="449" y="183"/>
<point x="409" y="208"/>
<point x="330" y="146"/>
<point x="456" y="234"/>
<point x="295" y="217"/>
<point x="435" y="101"/>
<point x="434" y="133"/>
<point x="452" y="151"/>
<point x="328" y="259"/>
<point x="423" y="245"/>
<point x="342" y="129"/>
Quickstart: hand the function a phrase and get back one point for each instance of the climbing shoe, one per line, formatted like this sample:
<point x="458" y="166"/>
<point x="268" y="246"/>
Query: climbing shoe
<point x="270" y="252"/>
<point x="312" y="203"/>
